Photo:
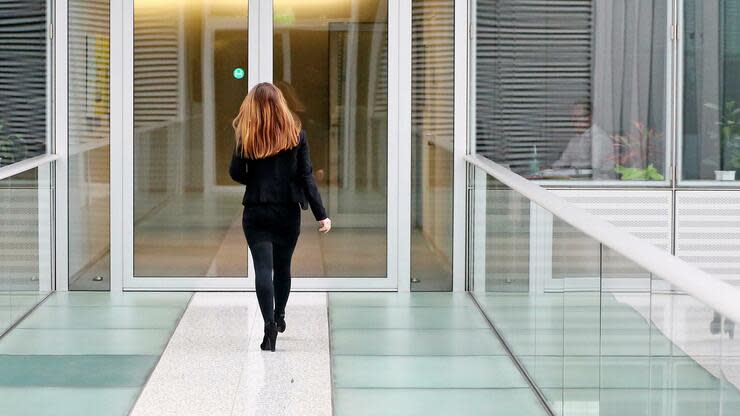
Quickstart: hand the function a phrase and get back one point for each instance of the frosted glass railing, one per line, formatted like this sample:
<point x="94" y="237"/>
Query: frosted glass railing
<point x="26" y="230"/>
<point x="602" y="323"/>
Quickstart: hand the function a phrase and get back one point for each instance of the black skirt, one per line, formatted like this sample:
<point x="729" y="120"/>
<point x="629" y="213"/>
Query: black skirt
<point x="276" y="223"/>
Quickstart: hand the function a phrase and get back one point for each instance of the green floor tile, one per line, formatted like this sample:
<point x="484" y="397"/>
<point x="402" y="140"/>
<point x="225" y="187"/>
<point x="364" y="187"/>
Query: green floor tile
<point x="437" y="299"/>
<point x="178" y="299"/>
<point x="54" y="401"/>
<point x="84" y="353"/>
<point x="436" y="402"/>
<point x="425" y="372"/>
<point x="75" y="370"/>
<point x="21" y="341"/>
<point x="103" y="317"/>
<point x="415" y="342"/>
<point x="404" y="317"/>
<point x="420" y="354"/>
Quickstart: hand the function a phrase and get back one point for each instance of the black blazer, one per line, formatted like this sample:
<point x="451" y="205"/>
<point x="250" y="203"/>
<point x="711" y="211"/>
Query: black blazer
<point x="282" y="178"/>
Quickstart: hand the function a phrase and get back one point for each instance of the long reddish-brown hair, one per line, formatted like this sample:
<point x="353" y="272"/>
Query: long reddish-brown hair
<point x="265" y="125"/>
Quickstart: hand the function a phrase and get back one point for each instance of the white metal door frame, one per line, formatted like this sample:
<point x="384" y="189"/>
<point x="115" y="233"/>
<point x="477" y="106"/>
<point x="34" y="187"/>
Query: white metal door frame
<point x="260" y="24"/>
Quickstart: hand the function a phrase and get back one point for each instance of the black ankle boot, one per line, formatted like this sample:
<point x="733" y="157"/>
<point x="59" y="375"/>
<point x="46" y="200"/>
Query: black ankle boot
<point x="280" y="322"/>
<point x="268" y="341"/>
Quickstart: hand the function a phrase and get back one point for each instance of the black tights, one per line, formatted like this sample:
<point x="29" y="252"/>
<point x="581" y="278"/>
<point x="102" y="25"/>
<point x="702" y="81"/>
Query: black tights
<point x="272" y="276"/>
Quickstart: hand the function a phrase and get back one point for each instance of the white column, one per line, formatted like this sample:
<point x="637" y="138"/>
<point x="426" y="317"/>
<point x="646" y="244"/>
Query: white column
<point x="61" y="224"/>
<point x="400" y="58"/>
<point x="462" y="103"/>
<point x="121" y="25"/>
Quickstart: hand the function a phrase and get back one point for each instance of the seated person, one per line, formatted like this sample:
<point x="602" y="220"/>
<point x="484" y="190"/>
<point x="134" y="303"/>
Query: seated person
<point x="591" y="151"/>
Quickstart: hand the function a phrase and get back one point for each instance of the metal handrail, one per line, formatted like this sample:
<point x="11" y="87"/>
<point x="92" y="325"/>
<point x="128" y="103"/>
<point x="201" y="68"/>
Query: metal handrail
<point x="714" y="293"/>
<point x="24" y="165"/>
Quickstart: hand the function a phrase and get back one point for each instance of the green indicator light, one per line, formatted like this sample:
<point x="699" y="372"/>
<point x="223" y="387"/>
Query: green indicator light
<point x="238" y="73"/>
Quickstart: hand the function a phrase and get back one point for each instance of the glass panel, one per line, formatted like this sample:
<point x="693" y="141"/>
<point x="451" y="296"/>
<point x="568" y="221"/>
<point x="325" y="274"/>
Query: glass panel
<point x="729" y="363"/>
<point x="190" y="61"/>
<point x="25" y="242"/>
<point x="89" y="145"/>
<point x="331" y="62"/>
<point x="23" y="80"/>
<point x="432" y="130"/>
<point x="711" y="96"/>
<point x="597" y="333"/>
<point x="572" y="90"/>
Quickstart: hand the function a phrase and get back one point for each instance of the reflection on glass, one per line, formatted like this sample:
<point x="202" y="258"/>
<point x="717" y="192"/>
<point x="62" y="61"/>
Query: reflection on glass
<point x="188" y="58"/>
<point x="582" y="103"/>
<point x="711" y="96"/>
<point x="89" y="144"/>
<point x="598" y="334"/>
<point x="25" y="242"/>
<point x="331" y="62"/>
<point x="432" y="129"/>
<point x="23" y="80"/>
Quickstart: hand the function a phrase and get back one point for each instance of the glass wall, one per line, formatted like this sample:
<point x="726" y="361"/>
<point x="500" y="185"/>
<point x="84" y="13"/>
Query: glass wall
<point x="711" y="95"/>
<point x="432" y="131"/>
<point x="24" y="52"/>
<point x="26" y="208"/>
<point x="330" y="59"/>
<point x="25" y="242"/>
<point x="89" y="144"/>
<point x="573" y="90"/>
<point x="190" y="61"/>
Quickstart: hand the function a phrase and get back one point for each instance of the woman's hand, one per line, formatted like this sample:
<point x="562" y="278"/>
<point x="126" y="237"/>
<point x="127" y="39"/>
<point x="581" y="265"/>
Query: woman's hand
<point x="325" y="225"/>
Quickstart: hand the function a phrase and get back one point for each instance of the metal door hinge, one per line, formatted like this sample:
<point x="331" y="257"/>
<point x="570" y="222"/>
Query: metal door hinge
<point x="51" y="31"/>
<point x="674" y="32"/>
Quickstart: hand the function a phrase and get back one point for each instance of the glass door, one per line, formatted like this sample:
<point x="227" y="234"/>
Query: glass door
<point x="190" y="71"/>
<point x="331" y="62"/>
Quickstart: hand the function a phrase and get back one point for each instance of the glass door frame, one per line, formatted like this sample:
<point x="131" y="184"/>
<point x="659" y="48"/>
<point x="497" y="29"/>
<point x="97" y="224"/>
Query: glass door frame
<point x="260" y="50"/>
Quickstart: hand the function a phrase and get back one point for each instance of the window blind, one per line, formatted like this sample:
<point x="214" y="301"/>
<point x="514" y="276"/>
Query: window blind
<point x="89" y="69"/>
<point x="432" y="70"/>
<point x="533" y="63"/>
<point x="23" y="72"/>
<point x="157" y="43"/>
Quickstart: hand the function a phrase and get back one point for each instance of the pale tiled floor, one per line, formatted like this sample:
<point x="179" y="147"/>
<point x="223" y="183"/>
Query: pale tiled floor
<point x="213" y="365"/>
<point x="365" y="354"/>
<point x="422" y="354"/>
<point x="85" y="353"/>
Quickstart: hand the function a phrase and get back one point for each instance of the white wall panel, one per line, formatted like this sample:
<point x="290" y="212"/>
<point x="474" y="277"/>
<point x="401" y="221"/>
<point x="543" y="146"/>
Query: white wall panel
<point x="643" y="213"/>
<point x="708" y="231"/>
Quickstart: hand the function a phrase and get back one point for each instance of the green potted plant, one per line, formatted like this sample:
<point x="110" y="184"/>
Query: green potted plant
<point x="632" y="151"/>
<point x="729" y="141"/>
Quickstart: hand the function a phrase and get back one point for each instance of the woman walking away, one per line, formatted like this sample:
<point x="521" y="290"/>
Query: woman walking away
<point x="271" y="158"/>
